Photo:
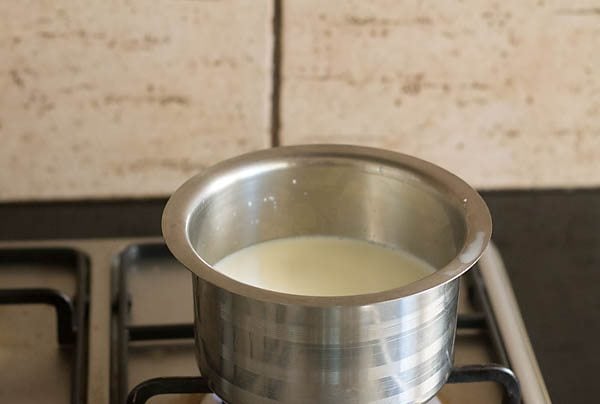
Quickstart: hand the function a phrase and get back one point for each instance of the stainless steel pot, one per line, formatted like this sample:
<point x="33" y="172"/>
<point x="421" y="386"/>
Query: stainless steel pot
<point x="260" y="346"/>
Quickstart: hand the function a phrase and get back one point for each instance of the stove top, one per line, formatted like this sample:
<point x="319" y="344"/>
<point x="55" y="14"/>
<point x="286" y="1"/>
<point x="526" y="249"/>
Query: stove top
<point x="110" y="321"/>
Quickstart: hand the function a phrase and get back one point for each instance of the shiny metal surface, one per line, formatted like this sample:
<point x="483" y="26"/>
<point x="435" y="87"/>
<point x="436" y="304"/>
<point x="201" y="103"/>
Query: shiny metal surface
<point x="153" y="304"/>
<point x="511" y="326"/>
<point x="28" y="343"/>
<point x="43" y="371"/>
<point x="259" y="346"/>
<point x="471" y="346"/>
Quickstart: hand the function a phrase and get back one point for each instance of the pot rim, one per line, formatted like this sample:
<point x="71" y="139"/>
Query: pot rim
<point x="182" y="204"/>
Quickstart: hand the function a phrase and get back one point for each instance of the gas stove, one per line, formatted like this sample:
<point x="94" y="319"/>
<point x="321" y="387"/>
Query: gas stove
<point x="110" y="321"/>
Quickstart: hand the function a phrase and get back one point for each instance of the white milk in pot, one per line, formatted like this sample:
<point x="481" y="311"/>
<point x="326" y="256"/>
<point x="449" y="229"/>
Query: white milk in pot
<point x="323" y="266"/>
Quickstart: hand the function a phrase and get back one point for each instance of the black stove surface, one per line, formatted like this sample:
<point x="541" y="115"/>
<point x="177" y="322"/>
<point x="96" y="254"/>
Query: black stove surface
<point x="550" y="241"/>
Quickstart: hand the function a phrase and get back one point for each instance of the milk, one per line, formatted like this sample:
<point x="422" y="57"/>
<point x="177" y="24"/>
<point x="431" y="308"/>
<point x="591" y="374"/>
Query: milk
<point x="323" y="266"/>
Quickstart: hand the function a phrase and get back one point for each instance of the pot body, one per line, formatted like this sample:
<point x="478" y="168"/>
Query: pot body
<point x="397" y="351"/>
<point x="261" y="346"/>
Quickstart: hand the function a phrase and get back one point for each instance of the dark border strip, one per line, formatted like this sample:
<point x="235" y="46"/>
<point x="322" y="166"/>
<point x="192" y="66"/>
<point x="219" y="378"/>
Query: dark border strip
<point x="66" y="219"/>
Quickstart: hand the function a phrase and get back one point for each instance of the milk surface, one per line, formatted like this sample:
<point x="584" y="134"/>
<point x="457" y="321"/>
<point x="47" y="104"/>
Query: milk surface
<point x="323" y="266"/>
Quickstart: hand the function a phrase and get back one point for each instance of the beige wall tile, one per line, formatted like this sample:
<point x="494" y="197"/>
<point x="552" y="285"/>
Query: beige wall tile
<point x="504" y="94"/>
<point x="113" y="98"/>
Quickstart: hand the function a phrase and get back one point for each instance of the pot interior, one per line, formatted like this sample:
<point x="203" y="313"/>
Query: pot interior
<point x="363" y="198"/>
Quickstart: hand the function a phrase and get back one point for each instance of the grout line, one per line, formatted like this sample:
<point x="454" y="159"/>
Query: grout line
<point x="276" y="74"/>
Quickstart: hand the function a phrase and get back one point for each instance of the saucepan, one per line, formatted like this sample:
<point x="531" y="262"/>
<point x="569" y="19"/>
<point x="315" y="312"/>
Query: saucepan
<point x="261" y="346"/>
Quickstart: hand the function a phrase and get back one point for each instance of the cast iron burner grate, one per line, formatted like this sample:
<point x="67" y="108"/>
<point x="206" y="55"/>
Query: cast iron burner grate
<point x="71" y="313"/>
<point x="140" y="394"/>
